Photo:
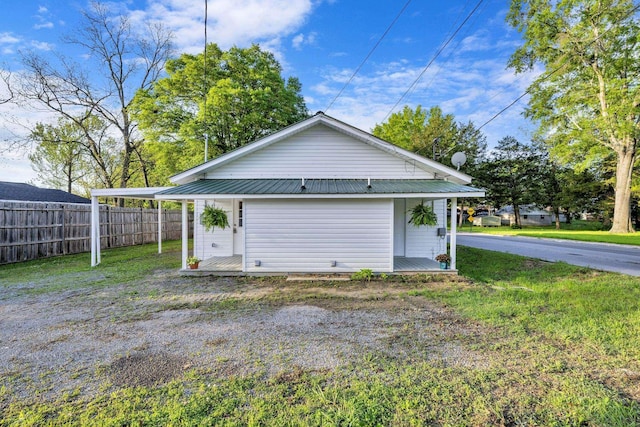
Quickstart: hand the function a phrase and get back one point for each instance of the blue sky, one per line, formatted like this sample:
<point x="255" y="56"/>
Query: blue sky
<point x="321" y="42"/>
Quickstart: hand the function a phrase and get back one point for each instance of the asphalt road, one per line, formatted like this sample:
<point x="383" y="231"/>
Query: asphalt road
<point x="600" y="256"/>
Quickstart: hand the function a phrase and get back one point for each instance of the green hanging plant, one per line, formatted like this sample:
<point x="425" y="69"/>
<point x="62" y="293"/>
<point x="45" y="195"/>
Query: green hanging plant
<point x="212" y="217"/>
<point x="423" y="214"/>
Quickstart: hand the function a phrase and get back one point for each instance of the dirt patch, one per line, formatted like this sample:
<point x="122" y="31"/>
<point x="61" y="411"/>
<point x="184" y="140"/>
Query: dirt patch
<point x="147" y="369"/>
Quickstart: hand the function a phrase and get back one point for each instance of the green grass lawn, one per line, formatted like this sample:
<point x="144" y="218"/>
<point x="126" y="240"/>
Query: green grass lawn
<point x="563" y="339"/>
<point x="586" y="231"/>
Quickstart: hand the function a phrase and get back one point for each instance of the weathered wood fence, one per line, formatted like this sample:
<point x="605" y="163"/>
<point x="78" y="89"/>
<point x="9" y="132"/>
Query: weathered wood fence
<point x="32" y="230"/>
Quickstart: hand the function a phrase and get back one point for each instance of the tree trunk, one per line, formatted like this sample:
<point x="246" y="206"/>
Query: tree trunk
<point x="124" y="176"/>
<point x="556" y="211"/>
<point x="516" y="214"/>
<point x="69" y="179"/>
<point x="622" y="206"/>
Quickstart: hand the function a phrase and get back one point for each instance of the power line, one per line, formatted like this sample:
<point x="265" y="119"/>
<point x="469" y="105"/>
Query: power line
<point x="442" y="48"/>
<point x="368" y="55"/>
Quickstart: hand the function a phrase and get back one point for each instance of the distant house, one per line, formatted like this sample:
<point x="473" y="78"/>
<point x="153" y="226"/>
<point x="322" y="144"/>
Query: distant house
<point x="530" y="215"/>
<point x="318" y="196"/>
<point x="19" y="192"/>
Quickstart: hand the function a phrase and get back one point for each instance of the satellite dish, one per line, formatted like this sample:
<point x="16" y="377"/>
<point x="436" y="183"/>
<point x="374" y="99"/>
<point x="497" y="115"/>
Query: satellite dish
<point x="458" y="159"/>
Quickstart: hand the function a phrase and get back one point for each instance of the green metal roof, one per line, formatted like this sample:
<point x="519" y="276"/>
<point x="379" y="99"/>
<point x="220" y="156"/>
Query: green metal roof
<point x="317" y="187"/>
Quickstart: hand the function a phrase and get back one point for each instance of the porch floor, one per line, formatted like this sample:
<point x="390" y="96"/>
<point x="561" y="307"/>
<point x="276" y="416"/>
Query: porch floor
<point x="222" y="263"/>
<point x="404" y="264"/>
<point x="232" y="265"/>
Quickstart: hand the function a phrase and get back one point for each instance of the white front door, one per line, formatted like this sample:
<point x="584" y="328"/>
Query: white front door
<point x="238" y="227"/>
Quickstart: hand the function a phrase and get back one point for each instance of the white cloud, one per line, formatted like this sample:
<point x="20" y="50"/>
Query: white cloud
<point x="42" y="19"/>
<point x="297" y="41"/>
<point x="47" y="25"/>
<point x="240" y="22"/>
<point x="300" y="40"/>
<point x="8" y="38"/>
<point x="41" y="45"/>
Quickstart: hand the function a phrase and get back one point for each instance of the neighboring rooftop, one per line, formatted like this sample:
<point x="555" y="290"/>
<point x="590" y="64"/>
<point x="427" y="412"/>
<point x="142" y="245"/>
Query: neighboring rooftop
<point x="30" y="193"/>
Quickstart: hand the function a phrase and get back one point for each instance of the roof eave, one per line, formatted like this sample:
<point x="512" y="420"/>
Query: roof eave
<point x="447" y="195"/>
<point x="130" y="193"/>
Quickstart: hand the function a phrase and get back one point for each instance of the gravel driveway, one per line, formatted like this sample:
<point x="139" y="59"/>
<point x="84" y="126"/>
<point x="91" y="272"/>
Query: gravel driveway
<point x="89" y="340"/>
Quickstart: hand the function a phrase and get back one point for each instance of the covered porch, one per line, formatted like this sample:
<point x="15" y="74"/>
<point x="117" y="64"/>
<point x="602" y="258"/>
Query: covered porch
<point x="232" y="266"/>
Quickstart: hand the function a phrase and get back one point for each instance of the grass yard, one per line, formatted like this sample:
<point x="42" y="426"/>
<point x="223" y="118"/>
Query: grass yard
<point x="514" y="341"/>
<point x="586" y="231"/>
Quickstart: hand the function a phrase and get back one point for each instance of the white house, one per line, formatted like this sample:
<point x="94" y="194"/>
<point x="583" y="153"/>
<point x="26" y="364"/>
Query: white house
<point x="320" y="196"/>
<point x="530" y="215"/>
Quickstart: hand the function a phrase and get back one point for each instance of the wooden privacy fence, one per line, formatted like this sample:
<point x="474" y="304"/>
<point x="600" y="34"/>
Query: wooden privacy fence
<point x="32" y="230"/>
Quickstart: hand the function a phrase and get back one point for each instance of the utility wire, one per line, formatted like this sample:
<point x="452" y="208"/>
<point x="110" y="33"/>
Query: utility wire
<point x="555" y="70"/>
<point x="368" y="55"/>
<point x="442" y="48"/>
<point x="453" y="49"/>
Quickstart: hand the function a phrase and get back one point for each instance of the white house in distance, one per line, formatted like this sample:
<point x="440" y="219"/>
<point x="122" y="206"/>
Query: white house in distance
<point x="319" y="196"/>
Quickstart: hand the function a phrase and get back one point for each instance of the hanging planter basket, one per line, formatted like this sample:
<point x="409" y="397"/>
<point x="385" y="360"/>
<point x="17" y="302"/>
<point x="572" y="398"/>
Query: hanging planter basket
<point x="212" y="217"/>
<point x="423" y="215"/>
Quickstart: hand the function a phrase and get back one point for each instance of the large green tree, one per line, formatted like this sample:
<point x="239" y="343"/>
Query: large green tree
<point x="239" y="97"/>
<point x="433" y="134"/>
<point x="512" y="175"/>
<point x="587" y="100"/>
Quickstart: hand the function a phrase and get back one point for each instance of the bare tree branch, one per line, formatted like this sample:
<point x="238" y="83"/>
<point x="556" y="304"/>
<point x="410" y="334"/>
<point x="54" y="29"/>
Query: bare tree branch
<point x="126" y="60"/>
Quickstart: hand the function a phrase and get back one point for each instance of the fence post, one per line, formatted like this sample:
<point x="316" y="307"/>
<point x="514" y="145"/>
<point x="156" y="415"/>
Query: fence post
<point x="159" y="226"/>
<point x="64" y="231"/>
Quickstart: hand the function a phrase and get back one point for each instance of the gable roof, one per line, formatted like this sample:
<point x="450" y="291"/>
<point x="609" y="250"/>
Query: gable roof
<point x="322" y="119"/>
<point x="29" y="193"/>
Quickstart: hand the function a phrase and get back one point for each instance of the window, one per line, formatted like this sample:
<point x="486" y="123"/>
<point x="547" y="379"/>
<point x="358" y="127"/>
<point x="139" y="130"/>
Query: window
<point x="240" y="214"/>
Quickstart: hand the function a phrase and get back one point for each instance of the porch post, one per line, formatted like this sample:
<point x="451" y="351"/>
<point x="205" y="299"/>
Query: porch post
<point x="95" y="231"/>
<point x="452" y="237"/>
<point x="159" y="226"/>
<point x="185" y="234"/>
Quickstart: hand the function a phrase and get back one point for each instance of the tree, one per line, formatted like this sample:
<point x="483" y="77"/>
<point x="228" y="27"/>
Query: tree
<point x="121" y="60"/>
<point x="64" y="155"/>
<point x="239" y="97"/>
<point x="587" y="100"/>
<point x="511" y="175"/>
<point x="58" y="156"/>
<point x="433" y="134"/>
<point x="403" y="128"/>
<point x="568" y="190"/>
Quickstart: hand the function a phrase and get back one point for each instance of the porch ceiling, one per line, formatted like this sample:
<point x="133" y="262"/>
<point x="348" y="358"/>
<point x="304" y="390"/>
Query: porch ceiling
<point x="321" y="187"/>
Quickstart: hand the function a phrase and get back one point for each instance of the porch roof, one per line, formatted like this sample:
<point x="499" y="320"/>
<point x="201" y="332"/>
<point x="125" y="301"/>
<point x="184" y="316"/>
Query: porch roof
<point x="320" y="188"/>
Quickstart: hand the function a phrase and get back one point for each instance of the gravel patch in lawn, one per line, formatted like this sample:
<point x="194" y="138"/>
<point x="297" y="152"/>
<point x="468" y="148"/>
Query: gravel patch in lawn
<point x="93" y="340"/>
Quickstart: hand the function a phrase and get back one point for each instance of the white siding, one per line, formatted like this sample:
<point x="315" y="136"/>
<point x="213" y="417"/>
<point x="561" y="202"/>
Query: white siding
<point x="320" y="152"/>
<point x="207" y="244"/>
<point x="423" y="242"/>
<point x="306" y="235"/>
